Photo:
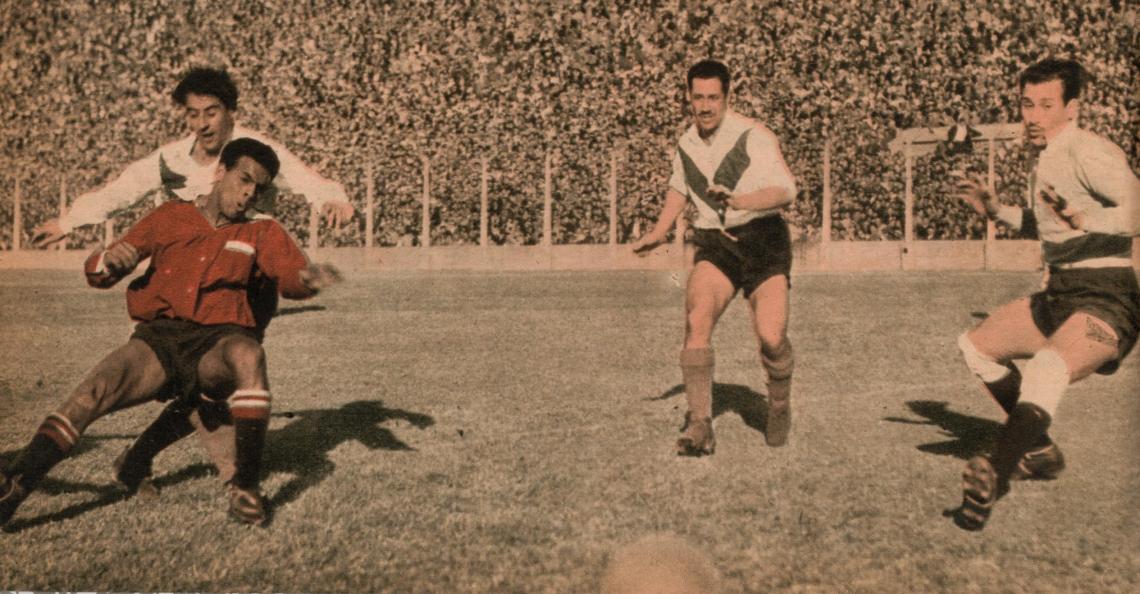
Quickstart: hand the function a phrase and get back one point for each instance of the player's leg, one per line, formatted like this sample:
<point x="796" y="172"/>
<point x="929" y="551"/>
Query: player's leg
<point x="235" y="369"/>
<point x="989" y="350"/>
<point x="769" y="306"/>
<point x="708" y="294"/>
<point x="1080" y="346"/>
<point x="128" y="376"/>
<point x="208" y="419"/>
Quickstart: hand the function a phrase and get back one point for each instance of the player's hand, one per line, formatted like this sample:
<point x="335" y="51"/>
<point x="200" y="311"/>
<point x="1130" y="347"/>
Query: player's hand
<point x="121" y="258"/>
<point x="319" y="276"/>
<point x="47" y="234"/>
<point x="646" y="244"/>
<point x="337" y="212"/>
<point x="1069" y="216"/>
<point x="980" y="197"/>
<point x="720" y="195"/>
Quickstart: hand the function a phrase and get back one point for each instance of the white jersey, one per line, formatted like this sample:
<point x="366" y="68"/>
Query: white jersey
<point x="1092" y="176"/>
<point x="179" y="176"/>
<point x="742" y="155"/>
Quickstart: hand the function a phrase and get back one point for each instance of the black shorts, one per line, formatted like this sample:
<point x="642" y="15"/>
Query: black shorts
<point x="1108" y="294"/>
<point x="179" y="346"/>
<point x="757" y="251"/>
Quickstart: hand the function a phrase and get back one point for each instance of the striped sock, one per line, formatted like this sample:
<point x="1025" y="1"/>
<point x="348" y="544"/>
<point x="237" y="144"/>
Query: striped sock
<point x="49" y="446"/>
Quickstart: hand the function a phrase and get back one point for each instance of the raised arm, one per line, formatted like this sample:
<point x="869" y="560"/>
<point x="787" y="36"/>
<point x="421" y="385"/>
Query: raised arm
<point x="324" y="194"/>
<point x="133" y="183"/>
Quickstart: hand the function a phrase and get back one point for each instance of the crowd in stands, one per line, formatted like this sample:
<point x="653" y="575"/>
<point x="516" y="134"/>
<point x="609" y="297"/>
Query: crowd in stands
<point x="354" y="88"/>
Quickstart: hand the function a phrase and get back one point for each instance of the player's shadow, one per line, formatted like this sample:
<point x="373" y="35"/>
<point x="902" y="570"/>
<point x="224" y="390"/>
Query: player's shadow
<point x="748" y="404"/>
<point x="297" y="309"/>
<point x="302" y="447"/>
<point x="104" y="493"/>
<point x="966" y="436"/>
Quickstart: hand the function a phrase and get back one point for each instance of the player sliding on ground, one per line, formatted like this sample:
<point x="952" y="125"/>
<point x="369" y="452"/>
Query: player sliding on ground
<point x="732" y="169"/>
<point x="196" y="333"/>
<point x="1087" y="317"/>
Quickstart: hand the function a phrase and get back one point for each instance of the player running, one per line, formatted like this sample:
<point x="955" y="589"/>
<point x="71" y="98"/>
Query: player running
<point x="1087" y="317"/>
<point x="732" y="169"/>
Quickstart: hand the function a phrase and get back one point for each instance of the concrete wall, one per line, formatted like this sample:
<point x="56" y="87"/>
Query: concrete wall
<point x="842" y="256"/>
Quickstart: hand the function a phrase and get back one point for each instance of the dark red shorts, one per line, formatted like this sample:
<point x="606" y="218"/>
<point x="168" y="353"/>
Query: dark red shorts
<point x="179" y="346"/>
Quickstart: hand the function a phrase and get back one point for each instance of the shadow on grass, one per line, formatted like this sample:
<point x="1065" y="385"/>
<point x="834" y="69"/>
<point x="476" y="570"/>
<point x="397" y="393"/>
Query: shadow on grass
<point x="750" y="405"/>
<point x="967" y="435"/>
<point x="302" y="447"/>
<point x="297" y="309"/>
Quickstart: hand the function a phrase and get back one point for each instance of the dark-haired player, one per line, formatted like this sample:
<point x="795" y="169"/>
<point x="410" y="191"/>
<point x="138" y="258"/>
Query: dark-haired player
<point x="184" y="169"/>
<point x="732" y="170"/>
<point x="195" y="336"/>
<point x="1085" y="212"/>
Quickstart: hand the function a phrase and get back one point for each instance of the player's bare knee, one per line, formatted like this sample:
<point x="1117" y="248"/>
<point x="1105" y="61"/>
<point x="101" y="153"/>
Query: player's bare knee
<point x="778" y="358"/>
<point x="985" y="367"/>
<point x="244" y="355"/>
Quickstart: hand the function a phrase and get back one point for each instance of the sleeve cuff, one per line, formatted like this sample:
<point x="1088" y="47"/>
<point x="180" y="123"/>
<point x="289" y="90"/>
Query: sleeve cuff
<point x="1010" y="215"/>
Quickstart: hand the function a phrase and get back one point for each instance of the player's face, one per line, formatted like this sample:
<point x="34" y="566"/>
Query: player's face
<point x="708" y="102"/>
<point x="240" y="186"/>
<point x="210" y="121"/>
<point x="1044" y="112"/>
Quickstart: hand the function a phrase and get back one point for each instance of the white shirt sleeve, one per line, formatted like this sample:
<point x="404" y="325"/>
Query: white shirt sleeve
<point x="1104" y="170"/>
<point x="133" y="183"/>
<point x="298" y="178"/>
<point x="767" y="168"/>
<point x="677" y="179"/>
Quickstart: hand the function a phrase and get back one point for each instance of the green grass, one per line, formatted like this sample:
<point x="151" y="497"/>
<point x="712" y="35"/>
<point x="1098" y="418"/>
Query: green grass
<point x="504" y="433"/>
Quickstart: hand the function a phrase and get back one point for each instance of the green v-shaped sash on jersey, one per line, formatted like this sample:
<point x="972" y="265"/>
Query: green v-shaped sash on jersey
<point x="727" y="174"/>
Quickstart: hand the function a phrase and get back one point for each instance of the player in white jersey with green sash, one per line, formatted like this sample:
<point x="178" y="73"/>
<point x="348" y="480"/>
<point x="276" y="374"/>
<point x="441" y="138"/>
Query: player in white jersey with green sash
<point x="1085" y="212"/>
<point x="732" y="170"/>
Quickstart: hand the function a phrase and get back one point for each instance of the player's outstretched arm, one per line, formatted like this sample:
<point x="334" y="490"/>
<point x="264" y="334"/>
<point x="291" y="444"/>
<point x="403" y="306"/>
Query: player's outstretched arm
<point x="319" y="276"/>
<point x="106" y="267"/>
<point x="48" y="233"/>
<point x="674" y="206"/>
<point x="980" y="197"/>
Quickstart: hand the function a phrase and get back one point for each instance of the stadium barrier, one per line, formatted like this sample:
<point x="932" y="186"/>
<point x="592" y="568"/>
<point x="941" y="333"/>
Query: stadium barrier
<point x="810" y="257"/>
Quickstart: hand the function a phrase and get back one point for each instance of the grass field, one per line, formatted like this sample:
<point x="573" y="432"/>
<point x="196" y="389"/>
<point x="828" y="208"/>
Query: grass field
<point x="504" y="433"/>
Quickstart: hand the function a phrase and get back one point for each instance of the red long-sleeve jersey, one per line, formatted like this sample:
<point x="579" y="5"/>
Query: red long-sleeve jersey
<point x="199" y="273"/>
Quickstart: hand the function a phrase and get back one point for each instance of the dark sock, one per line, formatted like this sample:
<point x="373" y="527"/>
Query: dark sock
<point x="37" y="459"/>
<point x="171" y="425"/>
<point x="250" y="437"/>
<point x="1026" y="425"/>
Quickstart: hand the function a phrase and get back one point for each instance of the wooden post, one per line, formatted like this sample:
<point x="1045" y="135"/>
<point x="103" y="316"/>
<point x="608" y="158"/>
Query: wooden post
<point x="991" y="181"/>
<point x="484" y="202"/>
<point x="369" y="205"/>
<point x="547" y="204"/>
<point x="62" y="245"/>
<point x="908" y="199"/>
<point x="613" y="197"/>
<point x="425" y="225"/>
<point x="17" y="218"/>
<point x="825" y="206"/>
<point x="314" y="227"/>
